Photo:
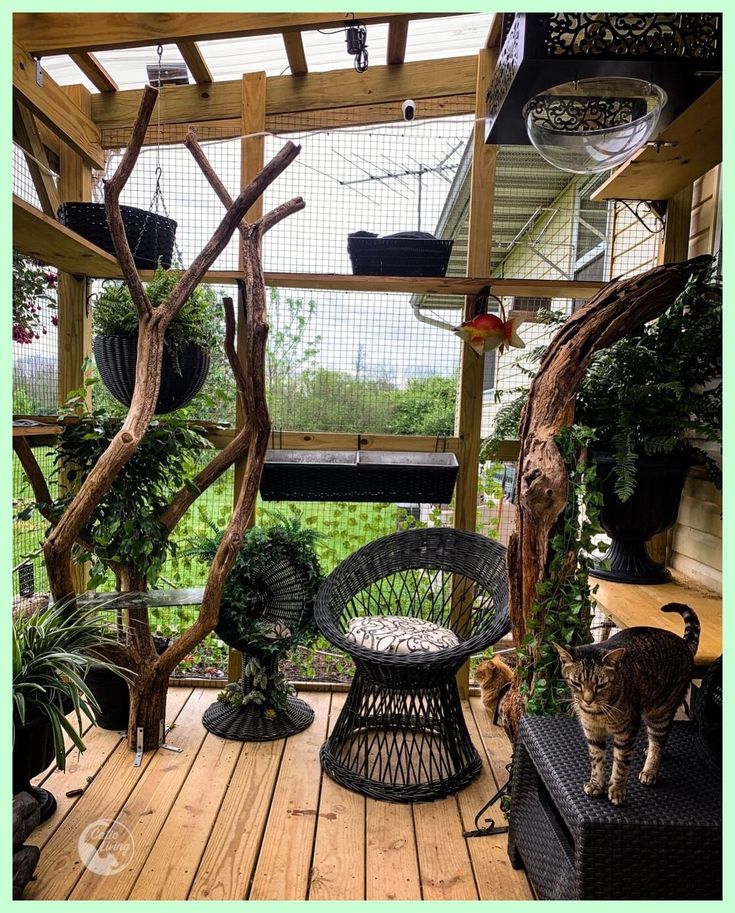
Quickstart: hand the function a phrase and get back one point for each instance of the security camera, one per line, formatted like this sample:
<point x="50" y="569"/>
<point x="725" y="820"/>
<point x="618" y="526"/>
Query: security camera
<point x="409" y="109"/>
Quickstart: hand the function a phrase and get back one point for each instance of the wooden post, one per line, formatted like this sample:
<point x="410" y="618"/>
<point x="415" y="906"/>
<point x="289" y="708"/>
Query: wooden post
<point x="75" y="323"/>
<point x="252" y="159"/>
<point x="469" y="409"/>
<point x="674" y="248"/>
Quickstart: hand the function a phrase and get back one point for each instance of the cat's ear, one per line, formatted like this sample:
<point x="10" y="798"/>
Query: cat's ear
<point x="613" y="657"/>
<point x="564" y="655"/>
<point x="482" y="671"/>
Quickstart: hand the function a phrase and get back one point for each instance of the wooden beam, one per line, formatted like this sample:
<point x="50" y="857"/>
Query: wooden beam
<point x="471" y="370"/>
<point x="660" y="173"/>
<point x="94" y="71"/>
<point x="286" y="95"/>
<point x="295" y="53"/>
<point x="29" y="139"/>
<point x="195" y="61"/>
<point x="397" y="37"/>
<point x="495" y="31"/>
<point x="324" y="119"/>
<point x="62" y="33"/>
<point x="74" y="338"/>
<point x="51" y="105"/>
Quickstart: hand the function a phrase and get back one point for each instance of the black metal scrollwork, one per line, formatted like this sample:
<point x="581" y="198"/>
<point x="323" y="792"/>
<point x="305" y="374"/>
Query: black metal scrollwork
<point x="632" y="35"/>
<point x="571" y="114"/>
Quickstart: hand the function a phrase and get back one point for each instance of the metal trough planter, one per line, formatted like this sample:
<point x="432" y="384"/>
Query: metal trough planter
<point x="373" y="475"/>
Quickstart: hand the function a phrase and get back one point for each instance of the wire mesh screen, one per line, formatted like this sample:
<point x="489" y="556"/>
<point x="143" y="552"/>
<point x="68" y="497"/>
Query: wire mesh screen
<point x="22" y="181"/>
<point x="29" y="570"/>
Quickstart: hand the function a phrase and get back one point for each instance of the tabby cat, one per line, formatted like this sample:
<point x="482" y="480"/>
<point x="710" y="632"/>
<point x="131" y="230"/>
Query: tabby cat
<point x="639" y="674"/>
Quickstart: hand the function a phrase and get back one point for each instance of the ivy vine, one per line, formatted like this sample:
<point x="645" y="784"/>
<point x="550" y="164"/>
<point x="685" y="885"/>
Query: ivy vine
<point x="561" y="612"/>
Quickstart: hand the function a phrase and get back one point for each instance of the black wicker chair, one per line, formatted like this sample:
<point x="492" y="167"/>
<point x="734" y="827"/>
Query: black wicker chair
<point x="401" y="735"/>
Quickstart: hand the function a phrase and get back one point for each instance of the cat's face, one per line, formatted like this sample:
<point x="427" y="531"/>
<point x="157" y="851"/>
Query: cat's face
<point x="592" y="677"/>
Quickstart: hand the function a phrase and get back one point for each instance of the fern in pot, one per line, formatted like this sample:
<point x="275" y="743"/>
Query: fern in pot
<point x="53" y="651"/>
<point x="187" y="346"/>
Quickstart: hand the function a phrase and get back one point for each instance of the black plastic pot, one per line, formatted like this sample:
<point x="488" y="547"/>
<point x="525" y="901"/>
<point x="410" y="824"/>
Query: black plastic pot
<point x="111" y="693"/>
<point x="651" y="509"/>
<point x="181" y="380"/>
<point x="33" y="751"/>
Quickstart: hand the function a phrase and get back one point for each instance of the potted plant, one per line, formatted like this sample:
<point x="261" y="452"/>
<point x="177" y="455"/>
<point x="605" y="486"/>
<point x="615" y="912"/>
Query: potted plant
<point x="267" y="607"/>
<point x="52" y="653"/>
<point x="32" y="284"/>
<point x="649" y="401"/>
<point x="187" y="343"/>
<point x="653" y="399"/>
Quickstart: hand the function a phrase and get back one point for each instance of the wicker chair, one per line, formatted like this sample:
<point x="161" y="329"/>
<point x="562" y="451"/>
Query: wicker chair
<point x="401" y="735"/>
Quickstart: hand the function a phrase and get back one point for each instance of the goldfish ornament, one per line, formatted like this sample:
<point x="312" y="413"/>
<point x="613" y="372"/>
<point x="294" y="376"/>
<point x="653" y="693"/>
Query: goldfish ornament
<point x="486" y="332"/>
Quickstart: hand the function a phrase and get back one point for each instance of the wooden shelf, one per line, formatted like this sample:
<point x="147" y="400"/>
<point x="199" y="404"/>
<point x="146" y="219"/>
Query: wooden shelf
<point x="660" y="173"/>
<point x="42" y="237"/>
<point x="627" y="605"/>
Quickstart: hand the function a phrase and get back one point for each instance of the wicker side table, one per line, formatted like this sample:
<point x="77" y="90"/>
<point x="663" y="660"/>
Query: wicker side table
<point x="665" y="843"/>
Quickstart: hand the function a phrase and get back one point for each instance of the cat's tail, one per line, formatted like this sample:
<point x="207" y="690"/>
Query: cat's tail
<point x="691" y="623"/>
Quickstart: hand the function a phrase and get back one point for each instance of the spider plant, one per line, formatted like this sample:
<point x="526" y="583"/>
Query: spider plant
<point x="52" y="651"/>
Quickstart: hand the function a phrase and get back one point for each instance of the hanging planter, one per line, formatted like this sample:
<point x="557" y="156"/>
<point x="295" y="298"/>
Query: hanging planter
<point x="182" y="376"/>
<point x="189" y="339"/>
<point x="379" y="476"/>
<point x="406" y="253"/>
<point x="150" y="236"/>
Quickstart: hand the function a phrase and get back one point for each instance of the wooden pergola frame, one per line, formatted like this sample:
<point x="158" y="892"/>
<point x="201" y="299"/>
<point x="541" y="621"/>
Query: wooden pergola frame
<point x="72" y="127"/>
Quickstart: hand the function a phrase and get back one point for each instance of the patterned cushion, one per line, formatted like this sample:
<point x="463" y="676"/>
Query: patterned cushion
<point x="394" y="634"/>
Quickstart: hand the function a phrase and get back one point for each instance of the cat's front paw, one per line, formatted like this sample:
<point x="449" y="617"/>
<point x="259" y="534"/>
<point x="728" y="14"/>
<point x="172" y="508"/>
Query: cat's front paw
<point x="648" y="777"/>
<point x="593" y="788"/>
<point x="616" y="793"/>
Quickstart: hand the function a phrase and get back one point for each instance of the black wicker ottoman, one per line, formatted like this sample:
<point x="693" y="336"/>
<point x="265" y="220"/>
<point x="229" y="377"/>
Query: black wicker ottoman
<point x="665" y="843"/>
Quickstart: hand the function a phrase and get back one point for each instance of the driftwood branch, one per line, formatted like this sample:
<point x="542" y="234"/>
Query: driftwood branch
<point x="617" y="309"/>
<point x="237" y="447"/>
<point x="113" y="189"/>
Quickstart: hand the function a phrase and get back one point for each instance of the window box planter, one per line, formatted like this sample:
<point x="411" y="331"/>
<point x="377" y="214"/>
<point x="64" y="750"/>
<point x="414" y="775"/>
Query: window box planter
<point x="319" y="475"/>
<point x="403" y="254"/>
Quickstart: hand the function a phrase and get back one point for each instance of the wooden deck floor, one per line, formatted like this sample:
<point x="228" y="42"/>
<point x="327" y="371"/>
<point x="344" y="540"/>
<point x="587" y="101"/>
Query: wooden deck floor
<point x="226" y="820"/>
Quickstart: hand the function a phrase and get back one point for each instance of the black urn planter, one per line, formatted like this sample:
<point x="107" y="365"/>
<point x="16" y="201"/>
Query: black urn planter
<point x="651" y="509"/>
<point x="33" y="751"/>
<point x="111" y="693"/>
<point x="181" y="378"/>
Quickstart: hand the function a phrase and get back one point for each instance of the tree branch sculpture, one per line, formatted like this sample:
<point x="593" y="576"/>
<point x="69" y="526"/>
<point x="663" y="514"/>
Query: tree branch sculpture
<point x="619" y="308"/>
<point x="151" y="672"/>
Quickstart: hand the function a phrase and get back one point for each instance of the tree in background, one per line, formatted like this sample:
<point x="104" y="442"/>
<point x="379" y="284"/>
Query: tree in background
<point x="426" y="406"/>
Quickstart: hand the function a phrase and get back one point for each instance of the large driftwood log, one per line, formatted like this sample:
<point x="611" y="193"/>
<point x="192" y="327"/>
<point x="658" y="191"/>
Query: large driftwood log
<point x="149" y="682"/>
<point x="617" y="309"/>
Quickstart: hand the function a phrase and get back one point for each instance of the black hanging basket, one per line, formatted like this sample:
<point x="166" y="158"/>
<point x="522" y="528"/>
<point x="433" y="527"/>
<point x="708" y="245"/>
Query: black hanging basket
<point x="406" y="253"/>
<point x="181" y="378"/>
<point x="371" y="476"/>
<point x="150" y="236"/>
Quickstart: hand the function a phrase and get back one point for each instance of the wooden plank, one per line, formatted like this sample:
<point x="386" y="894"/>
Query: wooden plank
<point x="195" y="61"/>
<point x="94" y="71"/>
<point x="705" y="187"/>
<point x="151" y="598"/>
<point x="658" y="174"/>
<point x="45" y="239"/>
<point x="295" y="53"/>
<point x="391" y="864"/>
<point x="675" y="244"/>
<point x="627" y="605"/>
<point x="50" y="104"/>
<point x="327" y="119"/>
<point x="44" y="430"/>
<point x="701" y="515"/>
<point x="444" y="862"/>
<point x="146" y="809"/>
<point x="286" y="95"/>
<point x="172" y="864"/>
<point x="397" y="37"/>
<point x="282" y="871"/>
<point x="495" y="31"/>
<point x="698" y="545"/>
<point x="696" y="572"/>
<point x="60" y="866"/>
<point x="232" y="849"/>
<point x="495" y="877"/>
<point x="498" y="749"/>
<point x="471" y="367"/>
<point x="29" y="140"/>
<point x="338" y="867"/>
<point x="60" y="33"/>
